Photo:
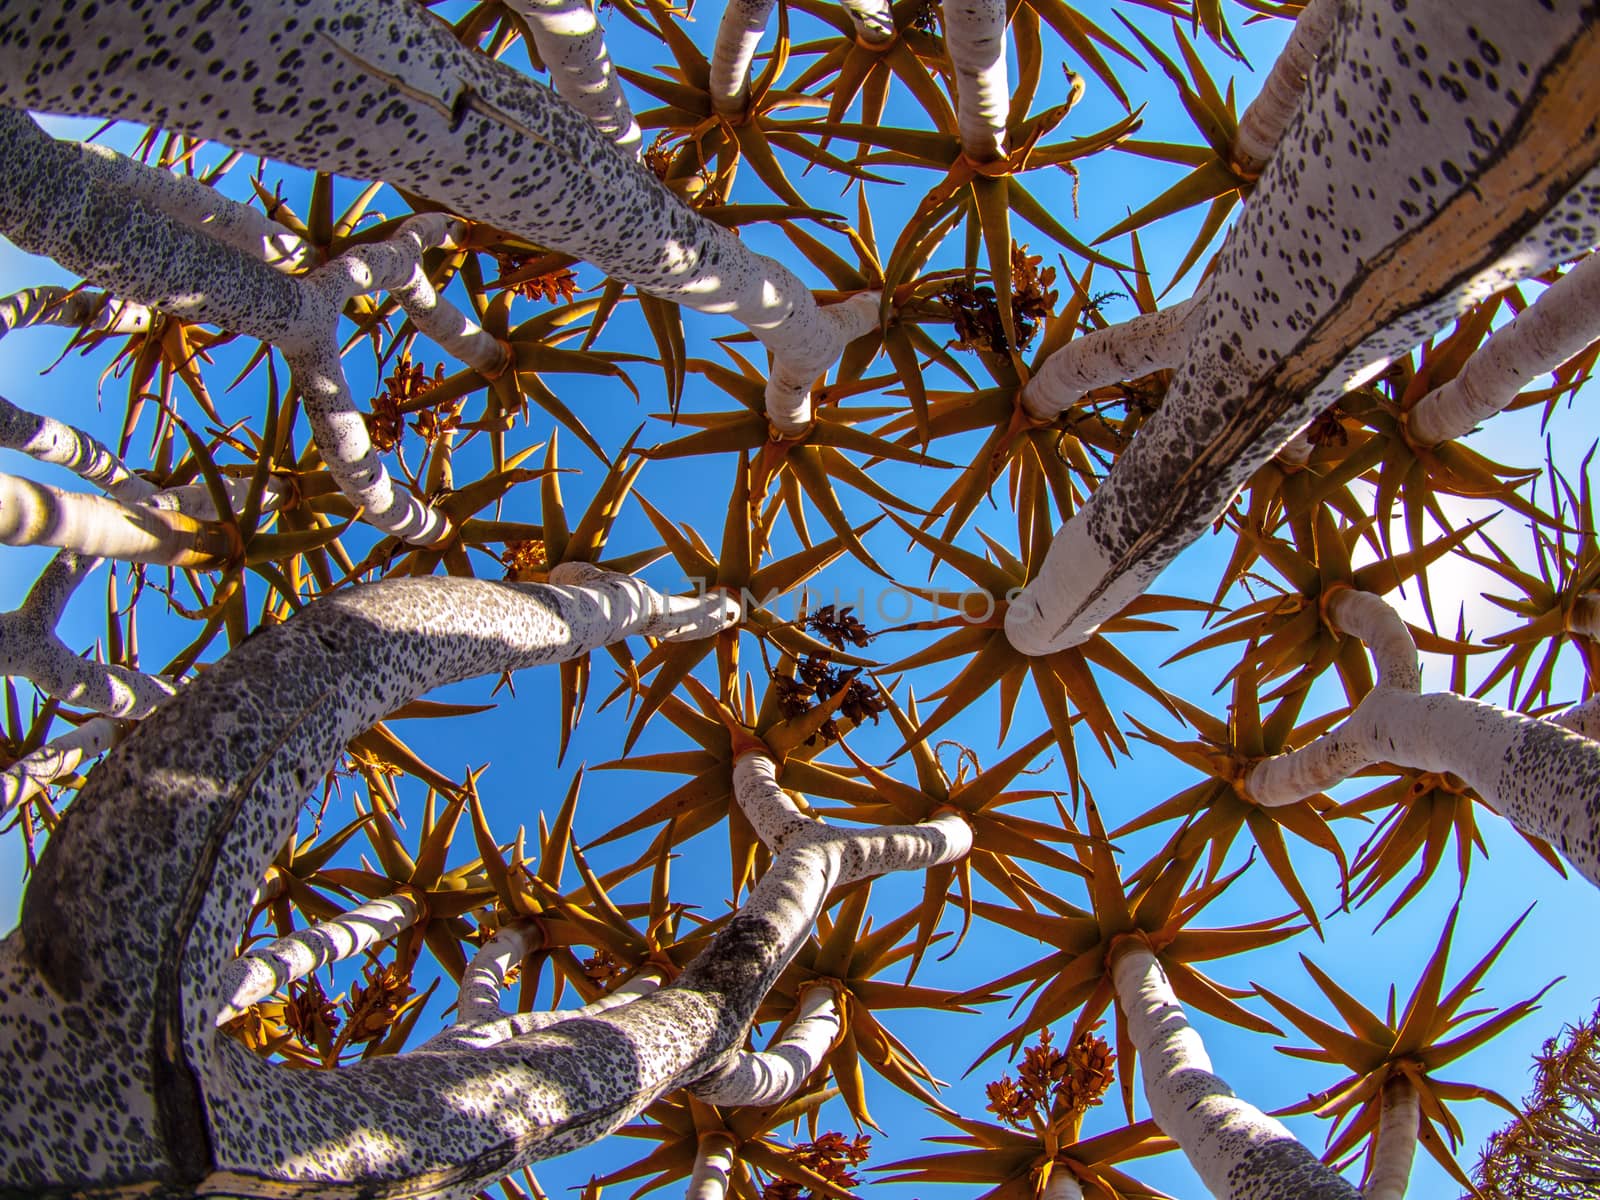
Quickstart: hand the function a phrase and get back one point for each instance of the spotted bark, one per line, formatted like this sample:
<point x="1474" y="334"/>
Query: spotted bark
<point x="1440" y="153"/>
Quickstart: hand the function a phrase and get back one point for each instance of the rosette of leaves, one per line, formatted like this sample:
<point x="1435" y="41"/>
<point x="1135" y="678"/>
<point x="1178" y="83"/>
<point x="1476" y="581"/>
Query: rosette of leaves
<point x="738" y="571"/>
<point x="849" y="954"/>
<point x="1001" y="841"/>
<point x="1423" y="812"/>
<point x="765" y="1167"/>
<point x="1064" y="680"/>
<point x="1213" y="812"/>
<point x="1412" y="1043"/>
<point x="720" y="730"/>
<point x="559" y="920"/>
<point x="1555" y="600"/>
<point x="808" y="465"/>
<point x="1074" y="975"/>
<point x="1290" y="632"/>
<point x="1042" y="1135"/>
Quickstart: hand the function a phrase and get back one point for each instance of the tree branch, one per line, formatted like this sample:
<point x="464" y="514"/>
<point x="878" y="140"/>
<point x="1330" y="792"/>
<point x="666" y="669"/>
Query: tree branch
<point x="1238" y="1151"/>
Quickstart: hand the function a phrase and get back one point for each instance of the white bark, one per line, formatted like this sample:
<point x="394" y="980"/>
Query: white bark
<point x="30" y="648"/>
<point x="975" y="38"/>
<point x="491" y="1028"/>
<point x="1396" y="1141"/>
<point x="67" y="211"/>
<point x="1585" y="617"/>
<point x="476" y="136"/>
<point x="713" y="1165"/>
<point x="1149" y="342"/>
<point x="1063" y="1185"/>
<point x="738" y="35"/>
<point x="485" y="976"/>
<point x="201" y="207"/>
<point x="776" y="1073"/>
<point x="1541" y="777"/>
<point x="56" y="759"/>
<point x="572" y="45"/>
<point x="265" y="969"/>
<point x="873" y="19"/>
<point x="1263" y="121"/>
<point x="1322" y="281"/>
<point x="1562" y="321"/>
<point x="1582" y="718"/>
<point x="1238" y="1151"/>
<point x="50" y="441"/>
<point x="34" y="514"/>
<point x="93" y="311"/>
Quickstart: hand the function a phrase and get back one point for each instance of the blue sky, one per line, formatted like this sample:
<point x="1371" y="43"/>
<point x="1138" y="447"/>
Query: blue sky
<point x="517" y="738"/>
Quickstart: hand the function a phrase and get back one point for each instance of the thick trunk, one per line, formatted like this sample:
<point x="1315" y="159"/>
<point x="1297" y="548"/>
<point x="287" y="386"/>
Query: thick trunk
<point x="1561" y="322"/>
<point x="204" y="815"/>
<point x="1238" y="1151"/>
<point x="435" y="118"/>
<point x="1324" y="279"/>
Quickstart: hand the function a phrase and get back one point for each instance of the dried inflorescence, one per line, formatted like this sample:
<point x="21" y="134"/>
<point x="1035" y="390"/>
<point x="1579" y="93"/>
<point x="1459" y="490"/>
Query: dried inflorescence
<point x="817" y="680"/>
<point x="837" y="628"/>
<point x="405" y="385"/>
<point x="832" y="1156"/>
<point x="1051" y="1084"/>
<point x="975" y="310"/>
<point x="525" y="561"/>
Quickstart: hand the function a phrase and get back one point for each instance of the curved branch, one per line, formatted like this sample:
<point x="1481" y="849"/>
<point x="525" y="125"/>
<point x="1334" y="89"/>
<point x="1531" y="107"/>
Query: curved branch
<point x="1263" y="122"/>
<point x="264" y="969"/>
<point x="776" y="1073"/>
<point x="485" y="976"/>
<point x="1562" y="321"/>
<point x="1238" y="1151"/>
<point x="34" y="772"/>
<point x="1541" y="777"/>
<point x="1149" y="342"/>
<point x="1582" y="718"/>
<point x="572" y="46"/>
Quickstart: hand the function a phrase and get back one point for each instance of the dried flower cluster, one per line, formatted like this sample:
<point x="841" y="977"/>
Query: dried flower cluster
<point x="832" y="1156"/>
<point x="1054" y="1084"/>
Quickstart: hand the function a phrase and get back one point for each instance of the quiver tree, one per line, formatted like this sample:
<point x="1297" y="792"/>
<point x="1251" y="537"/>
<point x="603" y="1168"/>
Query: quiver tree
<point x="1404" y="164"/>
<point x="195" y="1100"/>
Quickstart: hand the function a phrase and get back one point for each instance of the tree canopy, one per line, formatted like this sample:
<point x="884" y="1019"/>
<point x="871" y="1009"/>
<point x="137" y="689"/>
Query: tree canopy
<point x="1044" y="524"/>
